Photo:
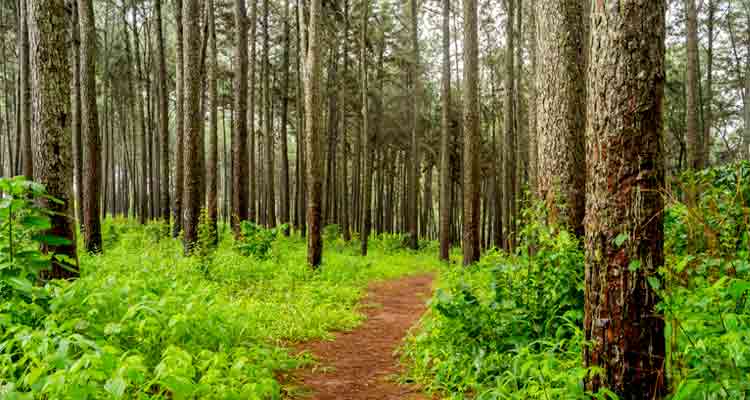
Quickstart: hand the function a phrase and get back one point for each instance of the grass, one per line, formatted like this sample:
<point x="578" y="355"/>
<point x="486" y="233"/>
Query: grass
<point x="145" y="322"/>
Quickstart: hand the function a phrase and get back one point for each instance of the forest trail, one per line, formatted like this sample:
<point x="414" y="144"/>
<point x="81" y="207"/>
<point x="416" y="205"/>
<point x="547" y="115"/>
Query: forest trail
<point x="361" y="364"/>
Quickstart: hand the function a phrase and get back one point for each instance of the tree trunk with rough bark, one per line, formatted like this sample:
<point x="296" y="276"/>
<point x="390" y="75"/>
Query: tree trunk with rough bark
<point x="693" y="137"/>
<point x="193" y="141"/>
<point x="212" y="167"/>
<point x="445" y="168"/>
<point x="472" y="183"/>
<point x="284" y="179"/>
<point x="624" y="221"/>
<point x="239" y="140"/>
<point x="163" y="105"/>
<point x="92" y="234"/>
<point x="561" y="111"/>
<point x="267" y="125"/>
<point x="50" y="73"/>
<point x="366" y="152"/>
<point x="179" y="151"/>
<point x="312" y="140"/>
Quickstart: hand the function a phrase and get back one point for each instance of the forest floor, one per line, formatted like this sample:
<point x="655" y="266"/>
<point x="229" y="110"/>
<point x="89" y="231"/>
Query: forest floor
<point x="362" y="364"/>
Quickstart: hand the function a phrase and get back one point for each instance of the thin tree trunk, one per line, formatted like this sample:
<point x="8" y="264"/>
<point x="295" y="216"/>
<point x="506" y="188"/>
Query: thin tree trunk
<point x="24" y="111"/>
<point x="163" y="114"/>
<point x="693" y="137"/>
<point x="76" y="114"/>
<point x="284" y="180"/>
<point x="471" y="134"/>
<point x="366" y="201"/>
<point x="445" y="168"/>
<point x="253" y="196"/>
<point x="312" y="102"/>
<point x="239" y="140"/>
<point x="708" y="106"/>
<point x="267" y="122"/>
<point x="212" y="168"/>
<point x="414" y="158"/>
<point x="510" y="133"/>
<point x="179" y="151"/>
<point x="90" y="127"/>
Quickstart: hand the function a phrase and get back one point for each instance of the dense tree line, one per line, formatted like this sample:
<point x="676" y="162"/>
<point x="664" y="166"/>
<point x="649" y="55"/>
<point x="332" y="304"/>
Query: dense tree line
<point x="316" y="113"/>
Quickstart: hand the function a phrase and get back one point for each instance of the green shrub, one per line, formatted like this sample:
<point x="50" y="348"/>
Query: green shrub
<point x="256" y="240"/>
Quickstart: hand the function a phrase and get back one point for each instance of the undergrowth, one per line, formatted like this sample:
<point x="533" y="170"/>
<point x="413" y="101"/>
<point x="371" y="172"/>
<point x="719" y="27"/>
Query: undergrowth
<point x="145" y="322"/>
<point x="510" y="326"/>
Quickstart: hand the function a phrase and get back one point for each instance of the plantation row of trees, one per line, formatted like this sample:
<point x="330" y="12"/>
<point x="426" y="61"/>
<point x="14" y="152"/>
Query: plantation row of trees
<point x="424" y="118"/>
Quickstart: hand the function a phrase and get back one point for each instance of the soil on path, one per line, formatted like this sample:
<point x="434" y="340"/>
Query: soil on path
<point x="361" y="364"/>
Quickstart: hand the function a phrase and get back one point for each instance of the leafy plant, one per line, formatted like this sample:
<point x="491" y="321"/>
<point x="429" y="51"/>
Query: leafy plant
<point x="23" y="229"/>
<point x="257" y="240"/>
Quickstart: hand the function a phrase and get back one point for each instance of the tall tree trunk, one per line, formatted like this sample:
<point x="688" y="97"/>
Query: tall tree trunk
<point x="239" y="140"/>
<point x="24" y="111"/>
<point x="193" y="142"/>
<point x="48" y="21"/>
<point x="162" y="100"/>
<point x="625" y="146"/>
<point x="212" y="168"/>
<point x="413" y="194"/>
<point x="301" y="128"/>
<point x="471" y="134"/>
<point x="533" y="128"/>
<point x="693" y="137"/>
<point x="445" y="168"/>
<point x="510" y="132"/>
<point x="76" y="114"/>
<point x="366" y="152"/>
<point x="90" y="126"/>
<point x="254" y="167"/>
<point x="561" y="110"/>
<point x="179" y="151"/>
<point x="708" y="106"/>
<point x="284" y="180"/>
<point x="267" y="122"/>
<point x="314" y="159"/>
<point x="345" y="206"/>
<point x="134" y="94"/>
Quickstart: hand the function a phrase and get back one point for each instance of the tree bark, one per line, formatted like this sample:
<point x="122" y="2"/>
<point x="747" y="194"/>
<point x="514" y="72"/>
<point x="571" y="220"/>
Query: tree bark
<point x="693" y="137"/>
<point x="193" y="142"/>
<point x="445" y="168"/>
<point x="366" y="152"/>
<point x="239" y="140"/>
<point x="267" y="122"/>
<point x="314" y="159"/>
<point x="92" y="234"/>
<point x="471" y="134"/>
<point x="414" y="159"/>
<point x="533" y="129"/>
<point x="50" y="70"/>
<point x="76" y="114"/>
<point x="561" y="110"/>
<point x="284" y="179"/>
<point x="624" y="221"/>
<point x="301" y="128"/>
<point x="179" y="151"/>
<point x="212" y="168"/>
<point x="162" y="101"/>
<point x="254" y="168"/>
<point x="708" y="103"/>
<point x="26" y="151"/>
<point x="510" y="132"/>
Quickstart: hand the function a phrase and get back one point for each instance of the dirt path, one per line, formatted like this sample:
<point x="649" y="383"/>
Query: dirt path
<point x="361" y="365"/>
